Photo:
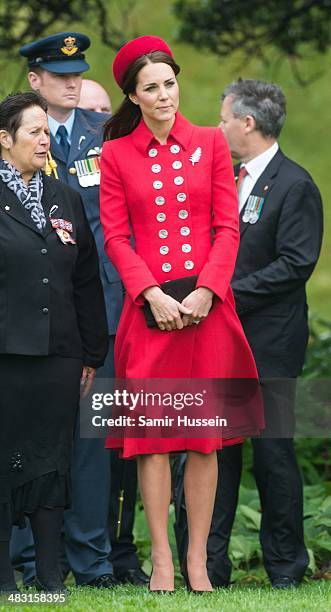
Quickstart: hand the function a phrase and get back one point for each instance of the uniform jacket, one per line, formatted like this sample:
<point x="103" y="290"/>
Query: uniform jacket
<point x="51" y="300"/>
<point x="87" y="133"/>
<point x="277" y="255"/>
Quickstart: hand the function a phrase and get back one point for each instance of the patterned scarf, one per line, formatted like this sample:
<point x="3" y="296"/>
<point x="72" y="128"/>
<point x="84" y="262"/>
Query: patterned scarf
<point x="29" y="195"/>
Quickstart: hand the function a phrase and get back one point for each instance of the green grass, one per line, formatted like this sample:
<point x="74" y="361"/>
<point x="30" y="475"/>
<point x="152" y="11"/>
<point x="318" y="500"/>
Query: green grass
<point x="314" y="596"/>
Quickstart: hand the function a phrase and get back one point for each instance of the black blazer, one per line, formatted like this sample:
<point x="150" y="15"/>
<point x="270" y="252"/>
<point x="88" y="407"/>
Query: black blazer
<point x="51" y="300"/>
<point x="277" y="255"/>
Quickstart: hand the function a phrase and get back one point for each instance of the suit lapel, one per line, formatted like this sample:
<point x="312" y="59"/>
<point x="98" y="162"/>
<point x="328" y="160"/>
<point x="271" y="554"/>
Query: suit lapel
<point x="10" y="205"/>
<point x="49" y="202"/>
<point x="262" y="187"/>
<point x="82" y="136"/>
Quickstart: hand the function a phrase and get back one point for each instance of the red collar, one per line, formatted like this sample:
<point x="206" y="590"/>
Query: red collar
<point x="181" y="133"/>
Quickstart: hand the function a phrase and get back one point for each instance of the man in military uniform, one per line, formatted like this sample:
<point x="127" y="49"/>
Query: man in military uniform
<point x="56" y="64"/>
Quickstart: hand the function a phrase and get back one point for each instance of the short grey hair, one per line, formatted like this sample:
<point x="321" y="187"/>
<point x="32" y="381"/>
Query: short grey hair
<point x="265" y="101"/>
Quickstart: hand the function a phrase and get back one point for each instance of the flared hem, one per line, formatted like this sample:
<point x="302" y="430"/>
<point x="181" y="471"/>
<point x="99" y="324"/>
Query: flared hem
<point x="52" y="490"/>
<point x="130" y="448"/>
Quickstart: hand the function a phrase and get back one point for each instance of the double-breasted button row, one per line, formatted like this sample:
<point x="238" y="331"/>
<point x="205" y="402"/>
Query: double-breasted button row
<point x="182" y="213"/>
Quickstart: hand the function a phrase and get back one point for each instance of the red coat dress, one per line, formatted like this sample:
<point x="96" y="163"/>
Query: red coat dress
<point x="180" y="202"/>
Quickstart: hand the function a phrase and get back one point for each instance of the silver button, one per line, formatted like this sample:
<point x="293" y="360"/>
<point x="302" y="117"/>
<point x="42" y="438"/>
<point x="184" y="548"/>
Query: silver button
<point x="159" y="200"/>
<point x="181" y="197"/>
<point x="163" y="234"/>
<point x="183" y="214"/>
<point x="161" y="217"/>
<point x="189" y="264"/>
<point x="152" y="152"/>
<point x="157" y="184"/>
<point x="43" y="251"/>
<point x="156" y="168"/>
<point x="45" y="311"/>
<point x="186" y="248"/>
<point x="177" y="165"/>
<point x="166" y="267"/>
<point x="174" y="149"/>
<point x="185" y="231"/>
<point x="178" y="180"/>
<point x="7" y="207"/>
<point x="45" y="281"/>
<point x="164" y="250"/>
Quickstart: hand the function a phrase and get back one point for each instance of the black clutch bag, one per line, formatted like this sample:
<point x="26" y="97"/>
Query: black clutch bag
<point x="178" y="289"/>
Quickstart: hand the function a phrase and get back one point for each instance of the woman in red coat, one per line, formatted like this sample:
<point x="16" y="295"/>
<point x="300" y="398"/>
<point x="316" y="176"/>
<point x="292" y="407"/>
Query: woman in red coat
<point x="171" y="185"/>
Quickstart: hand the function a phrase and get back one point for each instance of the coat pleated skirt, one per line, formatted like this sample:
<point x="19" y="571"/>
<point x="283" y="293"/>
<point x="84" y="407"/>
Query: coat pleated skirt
<point x="216" y="348"/>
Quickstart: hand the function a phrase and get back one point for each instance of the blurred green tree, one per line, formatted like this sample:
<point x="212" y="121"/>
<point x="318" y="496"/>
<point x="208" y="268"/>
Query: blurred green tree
<point x="258" y="28"/>
<point x="21" y="22"/>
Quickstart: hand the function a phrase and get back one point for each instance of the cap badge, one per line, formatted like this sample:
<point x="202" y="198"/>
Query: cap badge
<point x="69" y="48"/>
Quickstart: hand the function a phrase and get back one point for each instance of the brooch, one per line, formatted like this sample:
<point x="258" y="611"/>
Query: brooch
<point x="195" y="157"/>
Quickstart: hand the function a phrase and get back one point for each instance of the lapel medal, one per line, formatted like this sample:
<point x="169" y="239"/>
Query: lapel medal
<point x="63" y="229"/>
<point x="253" y="209"/>
<point x="88" y="171"/>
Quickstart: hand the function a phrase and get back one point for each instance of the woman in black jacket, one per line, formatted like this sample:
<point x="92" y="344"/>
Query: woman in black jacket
<point x="53" y="334"/>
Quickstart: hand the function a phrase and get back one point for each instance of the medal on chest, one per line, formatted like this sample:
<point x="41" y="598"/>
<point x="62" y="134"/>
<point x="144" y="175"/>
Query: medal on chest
<point x="63" y="229"/>
<point x="88" y="171"/>
<point x="253" y="209"/>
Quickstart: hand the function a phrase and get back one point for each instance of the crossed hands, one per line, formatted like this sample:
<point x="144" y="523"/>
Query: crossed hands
<point x="170" y="314"/>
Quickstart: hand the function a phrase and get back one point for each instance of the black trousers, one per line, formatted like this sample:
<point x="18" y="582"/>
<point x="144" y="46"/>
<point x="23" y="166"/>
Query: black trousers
<point x="123" y="551"/>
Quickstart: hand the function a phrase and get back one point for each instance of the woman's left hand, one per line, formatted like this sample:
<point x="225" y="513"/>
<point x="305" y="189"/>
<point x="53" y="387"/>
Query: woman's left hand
<point x="86" y="381"/>
<point x="200" y="302"/>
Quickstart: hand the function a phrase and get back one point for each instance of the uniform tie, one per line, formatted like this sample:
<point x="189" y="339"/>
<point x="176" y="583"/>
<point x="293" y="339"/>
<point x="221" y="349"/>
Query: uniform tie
<point x="63" y="142"/>
<point x="241" y="176"/>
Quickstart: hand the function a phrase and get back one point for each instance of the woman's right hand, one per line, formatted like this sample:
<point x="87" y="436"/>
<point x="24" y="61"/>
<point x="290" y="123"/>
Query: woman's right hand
<point x="166" y="310"/>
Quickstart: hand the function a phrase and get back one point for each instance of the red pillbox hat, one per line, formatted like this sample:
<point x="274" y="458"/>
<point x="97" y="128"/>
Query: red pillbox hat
<point x="132" y="50"/>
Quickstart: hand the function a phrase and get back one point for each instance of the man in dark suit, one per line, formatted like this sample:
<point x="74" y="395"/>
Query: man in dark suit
<point x="56" y="64"/>
<point x="281" y="231"/>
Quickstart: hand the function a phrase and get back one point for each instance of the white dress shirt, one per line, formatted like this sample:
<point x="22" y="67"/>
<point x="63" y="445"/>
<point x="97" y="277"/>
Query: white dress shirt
<point x="255" y="167"/>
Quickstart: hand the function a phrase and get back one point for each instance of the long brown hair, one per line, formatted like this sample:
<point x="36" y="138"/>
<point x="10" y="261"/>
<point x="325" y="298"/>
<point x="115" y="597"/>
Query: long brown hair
<point x="128" y="115"/>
